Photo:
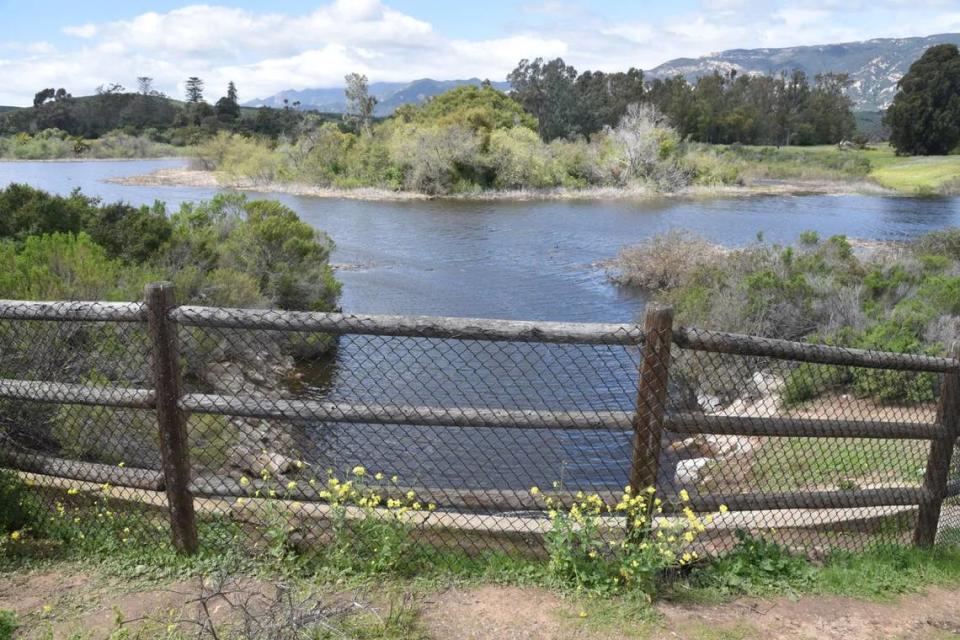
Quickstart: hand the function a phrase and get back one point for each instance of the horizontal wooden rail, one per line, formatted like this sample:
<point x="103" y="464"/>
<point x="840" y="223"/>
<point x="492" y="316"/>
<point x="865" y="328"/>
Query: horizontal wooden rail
<point x="72" y="311"/>
<point x="521" y="500"/>
<point x="264" y="407"/>
<point x="953" y="489"/>
<point x="744" y="345"/>
<point x="67" y="393"/>
<point x="85" y="471"/>
<point x="410" y="326"/>
<point x="695" y="423"/>
<point x="443" y="497"/>
<point x="878" y="497"/>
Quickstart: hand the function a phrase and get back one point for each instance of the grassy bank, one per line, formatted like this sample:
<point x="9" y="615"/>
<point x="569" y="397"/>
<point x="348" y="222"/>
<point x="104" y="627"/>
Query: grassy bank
<point x="934" y="175"/>
<point x="121" y="593"/>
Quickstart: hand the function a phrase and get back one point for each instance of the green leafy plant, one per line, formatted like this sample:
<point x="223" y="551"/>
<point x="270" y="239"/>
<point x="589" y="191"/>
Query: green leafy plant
<point x="584" y="553"/>
<point x="757" y="565"/>
<point x="8" y="624"/>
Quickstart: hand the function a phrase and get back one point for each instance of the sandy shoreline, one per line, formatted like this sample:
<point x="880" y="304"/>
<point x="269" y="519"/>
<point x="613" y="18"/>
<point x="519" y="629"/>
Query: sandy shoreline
<point x="184" y="177"/>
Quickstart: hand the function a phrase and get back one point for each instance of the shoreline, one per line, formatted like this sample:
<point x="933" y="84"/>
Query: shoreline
<point x="184" y="177"/>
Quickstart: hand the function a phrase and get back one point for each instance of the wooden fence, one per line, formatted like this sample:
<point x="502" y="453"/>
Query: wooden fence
<point x="656" y="338"/>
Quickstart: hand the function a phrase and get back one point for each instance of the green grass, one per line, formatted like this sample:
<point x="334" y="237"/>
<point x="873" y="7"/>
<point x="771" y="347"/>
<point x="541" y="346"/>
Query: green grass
<point x="921" y="176"/>
<point x="759" y="567"/>
<point x="837" y="463"/>
<point x="908" y="175"/>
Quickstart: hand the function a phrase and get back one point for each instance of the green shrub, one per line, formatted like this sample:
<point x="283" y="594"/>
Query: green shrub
<point x="8" y="624"/>
<point x="807" y="381"/>
<point x="19" y="508"/>
<point x="894" y="386"/>
<point x="582" y="557"/>
<point x="757" y="565"/>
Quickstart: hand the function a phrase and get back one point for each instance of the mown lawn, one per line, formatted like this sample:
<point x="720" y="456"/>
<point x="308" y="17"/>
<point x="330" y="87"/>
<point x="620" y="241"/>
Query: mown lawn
<point x="917" y="175"/>
<point x="930" y="175"/>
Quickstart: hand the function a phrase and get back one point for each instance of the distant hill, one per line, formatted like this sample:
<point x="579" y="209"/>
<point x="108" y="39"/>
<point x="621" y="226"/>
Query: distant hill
<point x="390" y="95"/>
<point x="3" y="108"/>
<point x="875" y="66"/>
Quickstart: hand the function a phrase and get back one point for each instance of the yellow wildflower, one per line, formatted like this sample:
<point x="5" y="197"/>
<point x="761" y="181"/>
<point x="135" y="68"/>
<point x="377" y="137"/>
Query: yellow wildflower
<point x="72" y="491"/>
<point x="359" y="471"/>
<point x="723" y="508"/>
<point x="583" y="614"/>
<point x="411" y="495"/>
<point x="291" y="485"/>
<point x="121" y="464"/>
<point x="684" y="496"/>
<point x="244" y="481"/>
<point x="534" y="491"/>
<point x="378" y="476"/>
<point x="15" y="536"/>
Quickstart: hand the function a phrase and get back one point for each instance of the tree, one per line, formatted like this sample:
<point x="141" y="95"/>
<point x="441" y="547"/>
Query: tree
<point x="360" y="103"/>
<point x="145" y="85"/>
<point x="547" y="91"/>
<point x="42" y="96"/>
<point x="194" y="89"/>
<point x="924" y="118"/>
<point x="227" y="107"/>
<point x="110" y="89"/>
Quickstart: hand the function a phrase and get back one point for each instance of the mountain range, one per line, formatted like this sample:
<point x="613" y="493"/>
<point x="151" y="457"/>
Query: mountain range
<point x="874" y="66"/>
<point x="390" y="95"/>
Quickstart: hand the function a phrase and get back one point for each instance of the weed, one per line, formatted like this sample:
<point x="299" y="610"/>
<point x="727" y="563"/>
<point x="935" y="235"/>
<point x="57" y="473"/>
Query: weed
<point x="8" y="624"/>
<point x="757" y="566"/>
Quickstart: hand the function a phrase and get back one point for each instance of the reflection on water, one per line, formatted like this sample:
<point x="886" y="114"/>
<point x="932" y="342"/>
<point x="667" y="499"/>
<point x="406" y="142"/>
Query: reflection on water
<point x="518" y="260"/>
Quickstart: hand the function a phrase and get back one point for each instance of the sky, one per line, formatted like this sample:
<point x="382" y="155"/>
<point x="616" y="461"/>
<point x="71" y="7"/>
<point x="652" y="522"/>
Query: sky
<point x="266" y="47"/>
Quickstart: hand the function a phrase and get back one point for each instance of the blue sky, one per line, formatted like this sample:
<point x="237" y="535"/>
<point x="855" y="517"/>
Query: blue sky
<point x="269" y="46"/>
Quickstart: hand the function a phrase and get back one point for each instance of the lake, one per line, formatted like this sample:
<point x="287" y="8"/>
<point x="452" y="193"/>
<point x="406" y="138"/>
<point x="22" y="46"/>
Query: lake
<point x="517" y="260"/>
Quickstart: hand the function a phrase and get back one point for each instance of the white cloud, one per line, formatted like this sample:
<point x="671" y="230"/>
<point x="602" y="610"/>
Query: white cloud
<point x="268" y="51"/>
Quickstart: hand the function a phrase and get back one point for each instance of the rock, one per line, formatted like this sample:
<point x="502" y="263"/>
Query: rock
<point x="697" y="446"/>
<point x="709" y="403"/>
<point x="243" y="460"/>
<point x="256" y="377"/>
<point x="688" y="471"/>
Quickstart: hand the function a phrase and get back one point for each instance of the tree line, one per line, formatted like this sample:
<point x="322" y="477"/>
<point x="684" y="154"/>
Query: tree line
<point x="783" y="109"/>
<point x="146" y="111"/>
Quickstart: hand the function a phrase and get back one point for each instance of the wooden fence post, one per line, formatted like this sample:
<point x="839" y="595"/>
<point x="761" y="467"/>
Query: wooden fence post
<point x="173" y="432"/>
<point x="651" y="397"/>
<point x="941" y="454"/>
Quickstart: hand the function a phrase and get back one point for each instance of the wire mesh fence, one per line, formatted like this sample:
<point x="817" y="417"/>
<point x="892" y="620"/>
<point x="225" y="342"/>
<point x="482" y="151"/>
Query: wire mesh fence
<point x="469" y="432"/>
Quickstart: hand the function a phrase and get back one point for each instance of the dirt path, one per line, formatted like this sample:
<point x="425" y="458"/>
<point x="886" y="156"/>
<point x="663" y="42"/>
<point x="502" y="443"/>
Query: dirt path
<point x="503" y="613"/>
<point x="57" y="604"/>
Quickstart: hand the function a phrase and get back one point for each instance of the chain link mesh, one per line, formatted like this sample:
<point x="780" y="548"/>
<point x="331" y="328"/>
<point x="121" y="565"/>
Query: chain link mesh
<point x="458" y="428"/>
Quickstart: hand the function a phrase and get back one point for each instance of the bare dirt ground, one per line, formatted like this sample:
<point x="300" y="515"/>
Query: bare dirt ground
<point x="56" y="604"/>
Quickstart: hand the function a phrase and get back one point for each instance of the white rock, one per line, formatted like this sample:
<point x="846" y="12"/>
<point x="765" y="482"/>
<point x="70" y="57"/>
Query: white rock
<point x="688" y="471"/>
<point x="708" y="403"/>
